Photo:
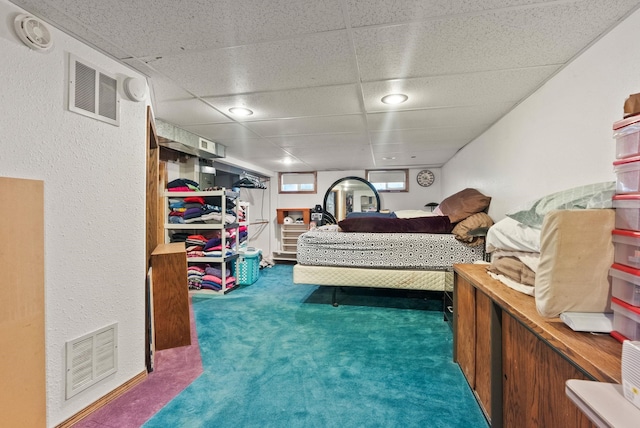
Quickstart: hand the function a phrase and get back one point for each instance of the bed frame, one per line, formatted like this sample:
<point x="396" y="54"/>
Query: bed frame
<point x="400" y="279"/>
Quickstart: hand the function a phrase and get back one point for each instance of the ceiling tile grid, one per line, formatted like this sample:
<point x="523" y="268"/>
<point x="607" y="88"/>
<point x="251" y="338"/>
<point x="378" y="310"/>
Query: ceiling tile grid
<point x="313" y="72"/>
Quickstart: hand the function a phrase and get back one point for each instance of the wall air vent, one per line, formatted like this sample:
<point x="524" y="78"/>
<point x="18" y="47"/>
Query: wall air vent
<point x="91" y="358"/>
<point x="93" y="93"/>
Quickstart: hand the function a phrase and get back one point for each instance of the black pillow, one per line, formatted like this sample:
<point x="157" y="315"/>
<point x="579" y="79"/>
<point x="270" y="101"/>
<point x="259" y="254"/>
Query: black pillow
<point x="432" y="224"/>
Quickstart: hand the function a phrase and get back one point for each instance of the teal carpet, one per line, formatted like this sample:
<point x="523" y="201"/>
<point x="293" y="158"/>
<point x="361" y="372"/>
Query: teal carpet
<point x="277" y="354"/>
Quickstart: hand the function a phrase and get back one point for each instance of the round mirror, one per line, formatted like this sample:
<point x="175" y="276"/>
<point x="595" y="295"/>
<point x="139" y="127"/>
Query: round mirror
<point x="351" y="194"/>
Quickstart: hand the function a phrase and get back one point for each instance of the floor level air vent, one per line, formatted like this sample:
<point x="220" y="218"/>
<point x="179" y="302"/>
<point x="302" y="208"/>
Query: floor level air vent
<point x="93" y="93"/>
<point x="91" y="358"/>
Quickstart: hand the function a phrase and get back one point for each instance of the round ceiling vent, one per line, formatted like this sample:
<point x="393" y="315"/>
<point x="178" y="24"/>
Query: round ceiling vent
<point x="33" y="32"/>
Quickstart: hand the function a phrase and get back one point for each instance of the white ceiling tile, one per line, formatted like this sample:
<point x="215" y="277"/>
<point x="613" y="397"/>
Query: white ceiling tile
<point x="423" y="135"/>
<point x="323" y="101"/>
<point x="457" y="89"/>
<point x="469" y="116"/>
<point x="494" y="40"/>
<point x="309" y="151"/>
<point x="170" y="26"/>
<point x="325" y="159"/>
<point x="279" y="164"/>
<point x="221" y="131"/>
<point x="417" y="146"/>
<point x="415" y="158"/>
<point x="319" y="141"/>
<point x="374" y="12"/>
<point x="314" y="60"/>
<point x="308" y="125"/>
<point x="254" y="149"/>
<point x="189" y="112"/>
<point x="163" y="90"/>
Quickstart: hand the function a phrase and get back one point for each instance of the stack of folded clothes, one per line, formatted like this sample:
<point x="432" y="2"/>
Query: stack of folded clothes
<point x="182" y="185"/>
<point x="194" y="276"/>
<point x="212" y="279"/>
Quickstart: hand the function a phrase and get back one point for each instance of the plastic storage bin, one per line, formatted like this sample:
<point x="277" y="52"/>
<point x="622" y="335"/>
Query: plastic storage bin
<point x="247" y="266"/>
<point x="627" y="135"/>
<point x="626" y="319"/>
<point x="627" y="211"/>
<point x="627" y="175"/>
<point x="625" y="284"/>
<point x="626" y="247"/>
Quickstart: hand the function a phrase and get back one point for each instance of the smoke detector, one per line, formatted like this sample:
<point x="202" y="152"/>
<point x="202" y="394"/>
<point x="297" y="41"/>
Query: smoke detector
<point x="33" y="32"/>
<point x="135" y="89"/>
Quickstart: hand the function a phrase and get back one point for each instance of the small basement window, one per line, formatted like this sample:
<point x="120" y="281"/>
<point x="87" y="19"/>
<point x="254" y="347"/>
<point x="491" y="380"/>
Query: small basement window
<point x="389" y="180"/>
<point x="297" y="182"/>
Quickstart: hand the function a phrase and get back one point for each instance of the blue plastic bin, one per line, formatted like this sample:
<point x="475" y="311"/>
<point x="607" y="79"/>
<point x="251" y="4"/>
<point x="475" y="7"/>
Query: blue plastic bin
<point x="247" y="266"/>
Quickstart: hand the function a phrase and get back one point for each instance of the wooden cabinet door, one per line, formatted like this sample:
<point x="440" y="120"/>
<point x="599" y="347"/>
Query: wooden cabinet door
<point x="534" y="378"/>
<point x="172" y="326"/>
<point x="483" y="351"/>
<point x="465" y="328"/>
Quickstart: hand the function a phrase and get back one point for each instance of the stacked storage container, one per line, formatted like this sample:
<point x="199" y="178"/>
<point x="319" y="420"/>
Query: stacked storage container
<point x="625" y="272"/>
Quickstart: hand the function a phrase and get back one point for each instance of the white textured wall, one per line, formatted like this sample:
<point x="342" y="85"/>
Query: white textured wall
<point x="415" y="199"/>
<point x="559" y="137"/>
<point x="94" y="175"/>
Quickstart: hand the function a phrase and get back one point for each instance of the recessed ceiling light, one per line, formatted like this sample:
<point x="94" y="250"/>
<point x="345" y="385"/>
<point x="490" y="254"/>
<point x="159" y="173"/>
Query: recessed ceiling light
<point x="240" y="111"/>
<point x="394" y="98"/>
<point x="389" y="158"/>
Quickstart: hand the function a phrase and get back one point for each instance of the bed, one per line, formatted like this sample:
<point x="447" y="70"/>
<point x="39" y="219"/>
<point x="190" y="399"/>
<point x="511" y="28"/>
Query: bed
<point x="408" y="253"/>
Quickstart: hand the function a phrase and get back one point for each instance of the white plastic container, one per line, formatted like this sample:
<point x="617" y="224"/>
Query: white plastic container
<point x="627" y="211"/>
<point x="627" y="135"/>
<point x="627" y="175"/>
<point x="626" y="319"/>
<point x="626" y="247"/>
<point x="625" y="284"/>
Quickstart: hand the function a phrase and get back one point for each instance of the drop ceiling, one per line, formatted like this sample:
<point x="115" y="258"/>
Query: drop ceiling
<point x="314" y="71"/>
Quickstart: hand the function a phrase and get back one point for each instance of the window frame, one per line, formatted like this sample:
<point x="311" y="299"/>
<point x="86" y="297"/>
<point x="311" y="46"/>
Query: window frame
<point x="294" y="192"/>
<point x="367" y="173"/>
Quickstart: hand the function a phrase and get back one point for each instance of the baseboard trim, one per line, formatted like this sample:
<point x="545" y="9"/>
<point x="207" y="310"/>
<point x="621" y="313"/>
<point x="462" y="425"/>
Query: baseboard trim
<point x="119" y="391"/>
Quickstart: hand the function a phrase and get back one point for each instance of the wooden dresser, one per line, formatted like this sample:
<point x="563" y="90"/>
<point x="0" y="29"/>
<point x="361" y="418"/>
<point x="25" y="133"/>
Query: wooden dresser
<point x="516" y="361"/>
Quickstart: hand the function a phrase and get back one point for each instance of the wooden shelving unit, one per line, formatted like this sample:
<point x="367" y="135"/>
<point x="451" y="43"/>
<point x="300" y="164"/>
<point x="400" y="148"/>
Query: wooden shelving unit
<point x="289" y="232"/>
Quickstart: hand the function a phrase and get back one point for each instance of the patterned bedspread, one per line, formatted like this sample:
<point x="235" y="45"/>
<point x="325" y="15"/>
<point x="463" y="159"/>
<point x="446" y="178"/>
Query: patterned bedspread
<point x="384" y="250"/>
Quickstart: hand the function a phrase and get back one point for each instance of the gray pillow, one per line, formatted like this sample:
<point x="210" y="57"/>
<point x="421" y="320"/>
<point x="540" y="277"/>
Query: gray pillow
<point x="596" y="195"/>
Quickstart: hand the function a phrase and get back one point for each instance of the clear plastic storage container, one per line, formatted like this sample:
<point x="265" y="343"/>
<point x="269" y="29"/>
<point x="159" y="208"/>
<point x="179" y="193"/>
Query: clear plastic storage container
<point x="626" y="247"/>
<point x="625" y="284"/>
<point x="627" y="175"/>
<point x="627" y="211"/>
<point x="627" y="135"/>
<point x="626" y="319"/>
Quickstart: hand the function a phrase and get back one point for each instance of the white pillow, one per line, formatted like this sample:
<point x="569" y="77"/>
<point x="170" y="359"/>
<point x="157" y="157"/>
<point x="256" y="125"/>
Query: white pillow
<point x="509" y="234"/>
<point x="413" y="213"/>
